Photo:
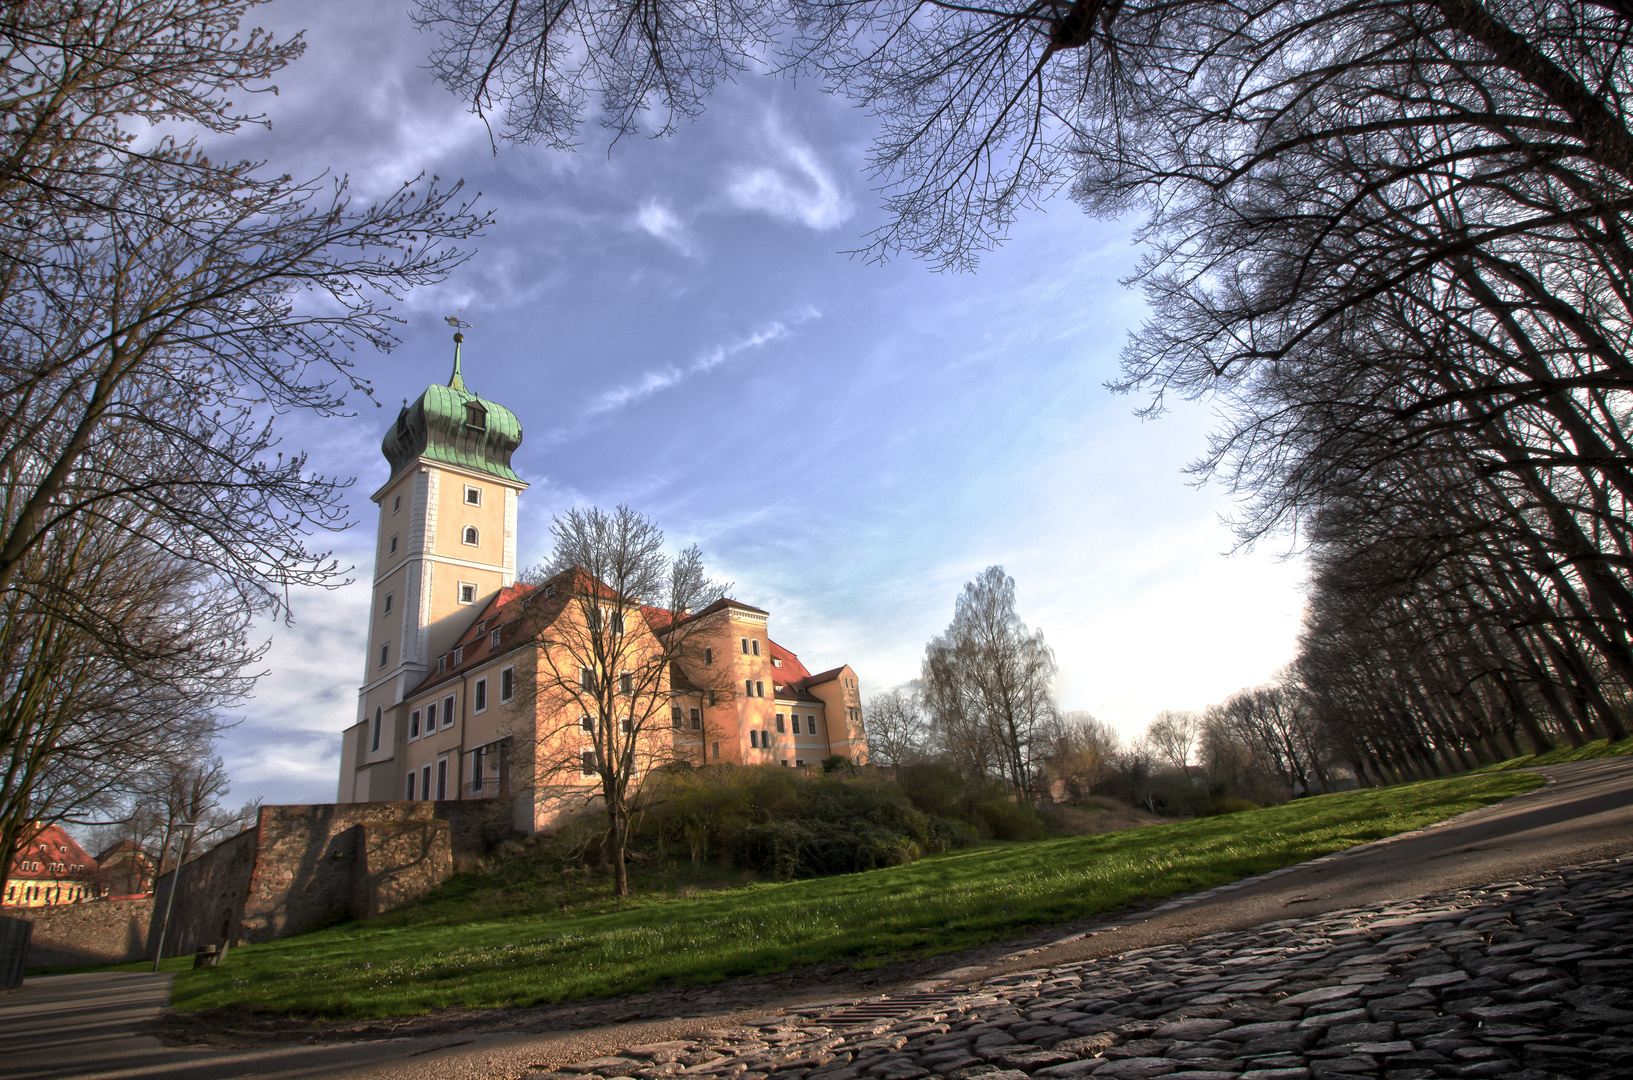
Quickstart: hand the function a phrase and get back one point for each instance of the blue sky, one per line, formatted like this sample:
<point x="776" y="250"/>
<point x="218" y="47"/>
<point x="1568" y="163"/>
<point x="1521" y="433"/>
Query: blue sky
<point x="677" y="326"/>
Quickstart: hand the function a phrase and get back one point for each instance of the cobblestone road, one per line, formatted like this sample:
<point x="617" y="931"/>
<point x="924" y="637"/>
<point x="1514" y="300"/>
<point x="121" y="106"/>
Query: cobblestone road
<point x="1529" y="979"/>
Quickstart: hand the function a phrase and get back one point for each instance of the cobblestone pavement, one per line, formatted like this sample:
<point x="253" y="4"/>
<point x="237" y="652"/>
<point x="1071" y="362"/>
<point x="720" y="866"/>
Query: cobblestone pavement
<point x="1529" y="979"/>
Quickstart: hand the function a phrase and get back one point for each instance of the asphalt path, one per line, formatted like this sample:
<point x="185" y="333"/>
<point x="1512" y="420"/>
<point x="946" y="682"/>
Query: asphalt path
<point x="92" y="1026"/>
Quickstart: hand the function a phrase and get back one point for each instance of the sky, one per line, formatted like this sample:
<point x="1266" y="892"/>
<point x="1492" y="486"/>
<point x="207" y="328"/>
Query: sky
<point x="678" y="327"/>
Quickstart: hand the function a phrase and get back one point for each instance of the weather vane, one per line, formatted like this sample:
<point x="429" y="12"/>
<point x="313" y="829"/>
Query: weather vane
<point x="458" y="324"/>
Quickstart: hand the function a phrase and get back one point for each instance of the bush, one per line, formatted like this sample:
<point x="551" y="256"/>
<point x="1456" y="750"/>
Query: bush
<point x="782" y="823"/>
<point x="1227" y="804"/>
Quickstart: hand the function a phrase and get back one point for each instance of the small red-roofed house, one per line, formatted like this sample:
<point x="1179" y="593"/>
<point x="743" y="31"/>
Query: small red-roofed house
<point x="51" y="868"/>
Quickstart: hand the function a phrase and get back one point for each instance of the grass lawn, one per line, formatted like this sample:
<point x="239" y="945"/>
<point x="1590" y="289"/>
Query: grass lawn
<point x="1603" y="748"/>
<point x="395" y="967"/>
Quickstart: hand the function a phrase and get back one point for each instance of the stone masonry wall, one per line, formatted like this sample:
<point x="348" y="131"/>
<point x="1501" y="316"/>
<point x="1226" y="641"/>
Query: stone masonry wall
<point x="399" y="861"/>
<point x="302" y="867"/>
<point x="95" y="932"/>
<point x="211" y="898"/>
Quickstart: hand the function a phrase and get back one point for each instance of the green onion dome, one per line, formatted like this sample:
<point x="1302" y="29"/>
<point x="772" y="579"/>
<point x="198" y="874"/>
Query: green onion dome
<point x="451" y="425"/>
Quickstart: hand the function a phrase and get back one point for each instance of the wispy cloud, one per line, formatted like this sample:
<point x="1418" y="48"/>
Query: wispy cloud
<point x="659" y="222"/>
<point x="658" y="380"/>
<point x="793" y="186"/>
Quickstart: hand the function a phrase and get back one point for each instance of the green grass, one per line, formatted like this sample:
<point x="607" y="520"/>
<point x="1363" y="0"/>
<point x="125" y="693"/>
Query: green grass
<point x="1603" y="748"/>
<point x="936" y="905"/>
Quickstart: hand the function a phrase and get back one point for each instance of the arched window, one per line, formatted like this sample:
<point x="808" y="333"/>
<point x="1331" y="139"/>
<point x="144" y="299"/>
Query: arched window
<point x="471" y="536"/>
<point x="376" y="741"/>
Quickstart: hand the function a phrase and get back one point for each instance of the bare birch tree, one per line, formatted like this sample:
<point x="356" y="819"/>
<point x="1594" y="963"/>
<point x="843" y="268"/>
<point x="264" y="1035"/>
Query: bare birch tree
<point x="988" y="684"/>
<point x="622" y="617"/>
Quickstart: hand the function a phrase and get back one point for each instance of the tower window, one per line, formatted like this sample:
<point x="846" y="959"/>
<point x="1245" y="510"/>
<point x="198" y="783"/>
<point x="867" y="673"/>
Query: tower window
<point x="748" y="687"/>
<point x="385" y="652"/>
<point x="467" y="592"/>
<point x="392" y="549"/>
<point x="759" y="689"/>
<point x="374" y="743"/>
<point x="396" y="503"/>
<point x="745" y="645"/>
<point x="754" y="738"/>
<point x="708" y="656"/>
<point x="756" y="645"/>
<point x="387" y="605"/>
<point x="473" y="496"/>
<point x="476" y="416"/>
<point x="472" y="537"/>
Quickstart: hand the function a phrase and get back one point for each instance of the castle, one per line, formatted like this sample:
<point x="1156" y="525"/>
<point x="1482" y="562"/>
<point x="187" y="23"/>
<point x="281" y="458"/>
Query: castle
<point x="450" y="708"/>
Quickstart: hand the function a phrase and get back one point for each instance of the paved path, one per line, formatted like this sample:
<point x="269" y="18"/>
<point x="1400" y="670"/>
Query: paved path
<point x="86" y="1026"/>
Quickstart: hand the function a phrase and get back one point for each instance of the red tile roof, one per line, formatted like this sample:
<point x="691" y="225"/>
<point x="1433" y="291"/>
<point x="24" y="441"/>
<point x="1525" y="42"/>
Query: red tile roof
<point x="52" y="853"/>
<point x="792" y="670"/>
<point x="824" y="676"/>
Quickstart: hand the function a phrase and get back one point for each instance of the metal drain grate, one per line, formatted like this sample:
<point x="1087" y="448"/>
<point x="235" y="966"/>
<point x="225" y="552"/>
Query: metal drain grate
<point x="886" y="1008"/>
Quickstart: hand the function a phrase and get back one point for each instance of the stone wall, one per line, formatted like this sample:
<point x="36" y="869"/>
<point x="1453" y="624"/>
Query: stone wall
<point x="95" y="932"/>
<point x="303" y="867"/>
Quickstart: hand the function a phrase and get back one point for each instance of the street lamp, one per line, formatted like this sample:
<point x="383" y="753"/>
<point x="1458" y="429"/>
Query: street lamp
<point x="175" y="884"/>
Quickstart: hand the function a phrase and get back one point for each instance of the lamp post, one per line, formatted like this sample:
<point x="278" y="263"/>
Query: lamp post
<point x="175" y="884"/>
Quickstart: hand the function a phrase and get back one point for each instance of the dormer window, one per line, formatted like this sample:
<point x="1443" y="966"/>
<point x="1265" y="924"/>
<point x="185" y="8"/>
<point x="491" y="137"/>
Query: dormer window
<point x="775" y="662"/>
<point x="459" y="656"/>
<point x="549" y="591"/>
<point x="476" y="416"/>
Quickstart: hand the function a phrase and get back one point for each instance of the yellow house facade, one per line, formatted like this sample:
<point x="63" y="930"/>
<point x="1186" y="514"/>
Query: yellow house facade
<point x="461" y="697"/>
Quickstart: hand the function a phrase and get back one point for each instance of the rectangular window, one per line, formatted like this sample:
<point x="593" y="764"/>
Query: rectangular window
<point x="795" y="718"/>
<point x="425" y="783"/>
<point x="714" y="698"/>
<point x="410" y="793"/>
<point x="759" y="688"/>
<point x="810" y="724"/>
<point x="697" y="720"/>
<point x="459" y="655"/>
<point x="780" y="727"/>
<point x="586" y="723"/>
<point x="626" y="683"/>
<point x="748" y="685"/>
<point x="754" y="738"/>
<point x="756" y="644"/>
<point x="617" y="622"/>
<point x="586" y="762"/>
<point x="430" y="717"/>
<point x="708" y="656"/>
<point x="799" y="763"/>
<point x="414" y="724"/>
<point x="785" y="763"/>
<point x="745" y="645"/>
<point x="476" y="769"/>
<point x="396" y="503"/>
<point x="480" y="704"/>
<point x="493" y="640"/>
<point x="629" y="724"/>
<point x="675" y="717"/>
<point x="448" y="712"/>
<point x="442" y="663"/>
<point x="393" y="548"/>
<point x="388" y="604"/>
<point x="473" y="496"/>
<point x="385" y="651"/>
<point x="716" y="749"/>
<point x="586" y="679"/>
<point x="507" y="684"/>
<point x="775" y="662"/>
<point x="467" y="592"/>
<point x="442" y="779"/>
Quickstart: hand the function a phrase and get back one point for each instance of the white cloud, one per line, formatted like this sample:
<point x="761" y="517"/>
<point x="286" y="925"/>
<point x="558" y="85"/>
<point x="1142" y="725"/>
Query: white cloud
<point x="793" y="186"/>
<point x="659" y="222"/>
<point x="652" y="382"/>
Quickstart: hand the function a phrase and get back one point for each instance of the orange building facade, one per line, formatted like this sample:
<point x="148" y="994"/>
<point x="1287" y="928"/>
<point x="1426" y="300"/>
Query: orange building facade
<point x="51" y="869"/>
<point x="464" y="699"/>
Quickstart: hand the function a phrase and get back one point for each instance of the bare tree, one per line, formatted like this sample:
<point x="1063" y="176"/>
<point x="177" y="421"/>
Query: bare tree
<point x="988" y="683"/>
<point x="158" y="309"/>
<point x="1084" y="752"/>
<point x="615" y="616"/>
<point x="897" y="731"/>
<point x="1174" y="736"/>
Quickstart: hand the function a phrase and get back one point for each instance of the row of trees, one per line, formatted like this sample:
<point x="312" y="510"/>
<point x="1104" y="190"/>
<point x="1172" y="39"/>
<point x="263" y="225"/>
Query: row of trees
<point x="1389" y="238"/>
<point x="159" y="307"/>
